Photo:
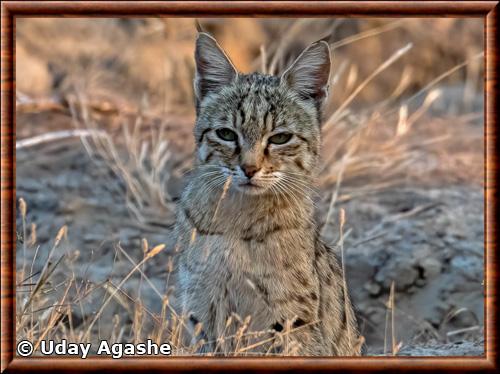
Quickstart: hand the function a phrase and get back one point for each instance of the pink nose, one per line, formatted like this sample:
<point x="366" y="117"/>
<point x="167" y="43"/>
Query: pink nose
<point x="249" y="170"/>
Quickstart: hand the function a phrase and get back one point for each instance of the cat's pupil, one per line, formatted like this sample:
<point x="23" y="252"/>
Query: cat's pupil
<point x="280" y="138"/>
<point x="226" y="134"/>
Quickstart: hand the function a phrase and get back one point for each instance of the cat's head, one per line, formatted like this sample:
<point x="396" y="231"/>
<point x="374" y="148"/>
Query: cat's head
<point x="263" y="131"/>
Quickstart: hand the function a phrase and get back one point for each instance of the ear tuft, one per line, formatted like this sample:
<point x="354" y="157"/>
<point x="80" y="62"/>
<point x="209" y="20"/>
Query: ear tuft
<point x="214" y="69"/>
<point x="310" y="72"/>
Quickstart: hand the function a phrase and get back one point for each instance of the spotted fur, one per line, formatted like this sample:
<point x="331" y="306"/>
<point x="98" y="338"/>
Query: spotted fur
<point x="249" y="247"/>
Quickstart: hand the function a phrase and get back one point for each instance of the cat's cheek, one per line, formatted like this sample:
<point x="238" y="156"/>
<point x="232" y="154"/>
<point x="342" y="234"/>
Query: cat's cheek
<point x="203" y="152"/>
<point x="307" y="162"/>
<point x="274" y="161"/>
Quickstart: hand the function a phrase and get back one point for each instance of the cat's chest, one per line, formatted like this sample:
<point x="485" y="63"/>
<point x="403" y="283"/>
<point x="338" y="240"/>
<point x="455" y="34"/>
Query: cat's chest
<point x="250" y="270"/>
<point x="247" y="278"/>
<point x="246" y="263"/>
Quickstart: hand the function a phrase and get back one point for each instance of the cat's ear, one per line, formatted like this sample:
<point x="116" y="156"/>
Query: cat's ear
<point x="214" y="69"/>
<point x="310" y="72"/>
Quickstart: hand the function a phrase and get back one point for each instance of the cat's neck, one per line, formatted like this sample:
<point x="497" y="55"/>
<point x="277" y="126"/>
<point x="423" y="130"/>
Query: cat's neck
<point x="222" y="207"/>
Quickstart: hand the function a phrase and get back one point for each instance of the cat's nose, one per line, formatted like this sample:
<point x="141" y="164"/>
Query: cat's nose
<point x="249" y="170"/>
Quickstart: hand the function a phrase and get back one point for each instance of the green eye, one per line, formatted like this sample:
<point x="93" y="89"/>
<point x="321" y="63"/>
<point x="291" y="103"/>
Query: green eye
<point x="226" y="134"/>
<point x="280" y="138"/>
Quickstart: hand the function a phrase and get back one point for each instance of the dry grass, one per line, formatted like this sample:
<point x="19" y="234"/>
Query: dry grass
<point x="41" y="317"/>
<point x="367" y="148"/>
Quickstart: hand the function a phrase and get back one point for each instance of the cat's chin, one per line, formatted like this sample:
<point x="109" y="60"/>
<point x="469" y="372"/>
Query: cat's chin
<point x="250" y="189"/>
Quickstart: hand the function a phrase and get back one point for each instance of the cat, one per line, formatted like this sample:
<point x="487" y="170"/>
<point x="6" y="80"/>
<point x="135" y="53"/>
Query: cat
<point x="253" y="274"/>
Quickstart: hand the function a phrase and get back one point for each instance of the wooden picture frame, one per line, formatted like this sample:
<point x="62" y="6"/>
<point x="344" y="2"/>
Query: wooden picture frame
<point x="487" y="10"/>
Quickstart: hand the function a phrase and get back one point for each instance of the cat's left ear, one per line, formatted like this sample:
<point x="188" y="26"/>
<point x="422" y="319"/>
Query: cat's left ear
<point x="310" y="72"/>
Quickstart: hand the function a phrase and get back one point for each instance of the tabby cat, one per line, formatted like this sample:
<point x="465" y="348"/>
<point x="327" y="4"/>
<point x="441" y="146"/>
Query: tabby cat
<point x="253" y="273"/>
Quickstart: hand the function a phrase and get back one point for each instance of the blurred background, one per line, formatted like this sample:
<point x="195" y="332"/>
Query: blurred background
<point x="104" y="116"/>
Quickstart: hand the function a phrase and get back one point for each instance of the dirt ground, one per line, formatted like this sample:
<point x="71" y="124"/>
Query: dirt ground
<point x="416" y="223"/>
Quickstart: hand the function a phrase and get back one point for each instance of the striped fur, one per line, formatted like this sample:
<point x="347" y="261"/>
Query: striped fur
<point x="248" y="243"/>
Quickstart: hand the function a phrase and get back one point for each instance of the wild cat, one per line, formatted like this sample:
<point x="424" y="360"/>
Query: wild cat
<point x="249" y="249"/>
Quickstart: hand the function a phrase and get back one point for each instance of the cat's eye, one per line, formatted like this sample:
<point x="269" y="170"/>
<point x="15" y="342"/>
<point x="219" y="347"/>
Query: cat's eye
<point x="281" y="138"/>
<point x="226" y="134"/>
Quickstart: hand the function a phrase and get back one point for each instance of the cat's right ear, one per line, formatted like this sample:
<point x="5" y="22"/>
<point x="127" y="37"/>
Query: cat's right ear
<point x="214" y="69"/>
<point x="309" y="74"/>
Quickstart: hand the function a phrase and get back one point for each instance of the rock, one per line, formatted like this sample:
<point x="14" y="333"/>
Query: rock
<point x="464" y="348"/>
<point x="431" y="266"/>
<point x="470" y="266"/>
<point x="420" y="282"/>
<point x="401" y="271"/>
<point x="373" y="288"/>
<point x="32" y="75"/>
